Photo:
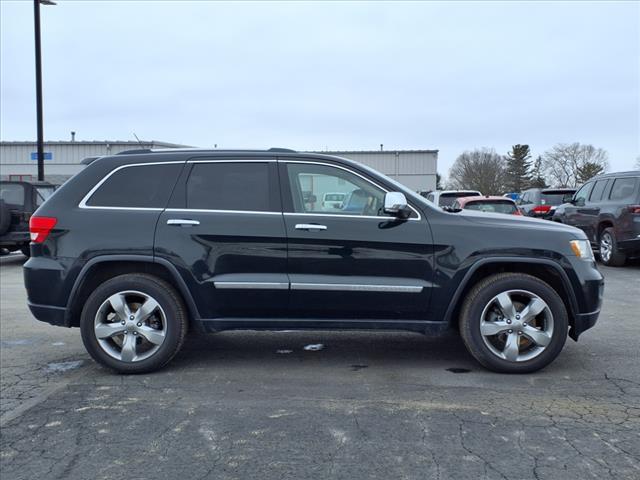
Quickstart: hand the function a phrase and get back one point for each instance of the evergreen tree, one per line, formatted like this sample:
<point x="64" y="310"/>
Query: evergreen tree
<point x="588" y="170"/>
<point x="537" y="177"/>
<point x="517" y="174"/>
<point x="438" y="181"/>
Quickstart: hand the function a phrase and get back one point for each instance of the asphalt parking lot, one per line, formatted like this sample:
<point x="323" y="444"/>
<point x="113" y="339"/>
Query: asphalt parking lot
<point x="367" y="405"/>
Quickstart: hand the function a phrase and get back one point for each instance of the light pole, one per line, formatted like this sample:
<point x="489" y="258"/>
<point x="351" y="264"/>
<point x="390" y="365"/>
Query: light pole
<point x="36" y="20"/>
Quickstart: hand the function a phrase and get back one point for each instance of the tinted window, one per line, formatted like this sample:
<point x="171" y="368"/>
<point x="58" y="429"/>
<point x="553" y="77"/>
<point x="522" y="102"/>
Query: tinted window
<point x="582" y="194"/>
<point x="310" y="182"/>
<point x="12" y="193"/>
<point x="556" y="198"/>
<point x="144" y="186"/>
<point x="229" y="186"/>
<point x="598" y="189"/>
<point x="447" y="199"/>
<point x="623" y="188"/>
<point x="494" y="206"/>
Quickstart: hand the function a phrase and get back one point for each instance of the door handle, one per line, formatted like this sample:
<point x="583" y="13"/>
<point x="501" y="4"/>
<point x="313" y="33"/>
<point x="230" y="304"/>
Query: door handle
<point x="182" y="222"/>
<point x="310" y="226"/>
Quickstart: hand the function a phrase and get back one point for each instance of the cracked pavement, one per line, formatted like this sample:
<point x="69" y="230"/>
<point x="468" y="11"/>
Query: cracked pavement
<point x="368" y="405"/>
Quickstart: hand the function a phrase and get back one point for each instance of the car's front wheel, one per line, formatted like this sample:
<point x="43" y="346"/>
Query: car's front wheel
<point x="513" y="323"/>
<point x="133" y="323"/>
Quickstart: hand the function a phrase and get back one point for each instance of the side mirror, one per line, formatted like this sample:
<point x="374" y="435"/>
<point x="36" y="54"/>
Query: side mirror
<point x="395" y="203"/>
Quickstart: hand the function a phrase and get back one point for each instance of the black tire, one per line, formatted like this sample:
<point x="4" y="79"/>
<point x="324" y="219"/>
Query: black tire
<point x="26" y="250"/>
<point x="168" y="299"/>
<point x="614" y="257"/>
<point x="5" y="218"/>
<point x="482" y="294"/>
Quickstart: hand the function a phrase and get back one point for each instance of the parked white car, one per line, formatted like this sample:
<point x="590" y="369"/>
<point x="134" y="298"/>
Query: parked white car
<point x="446" y="198"/>
<point x="332" y="201"/>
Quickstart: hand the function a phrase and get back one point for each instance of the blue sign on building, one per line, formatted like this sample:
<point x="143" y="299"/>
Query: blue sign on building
<point x="47" y="156"/>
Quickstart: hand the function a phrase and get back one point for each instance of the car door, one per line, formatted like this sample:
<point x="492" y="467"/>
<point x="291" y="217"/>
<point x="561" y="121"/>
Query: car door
<point x="224" y="231"/>
<point x="577" y="214"/>
<point x="356" y="262"/>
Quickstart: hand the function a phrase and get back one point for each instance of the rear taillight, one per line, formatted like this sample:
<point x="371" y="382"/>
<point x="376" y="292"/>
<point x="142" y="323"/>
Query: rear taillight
<point x="40" y="227"/>
<point x="634" y="208"/>
<point x="542" y="209"/>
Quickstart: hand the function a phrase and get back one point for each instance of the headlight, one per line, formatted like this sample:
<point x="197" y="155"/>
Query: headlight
<point x="582" y="249"/>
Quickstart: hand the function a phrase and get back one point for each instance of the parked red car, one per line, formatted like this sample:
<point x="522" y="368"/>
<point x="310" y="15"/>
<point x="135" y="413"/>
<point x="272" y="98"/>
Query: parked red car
<point x="487" y="204"/>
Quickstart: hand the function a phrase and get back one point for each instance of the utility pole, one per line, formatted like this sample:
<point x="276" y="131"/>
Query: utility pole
<point x="36" y="20"/>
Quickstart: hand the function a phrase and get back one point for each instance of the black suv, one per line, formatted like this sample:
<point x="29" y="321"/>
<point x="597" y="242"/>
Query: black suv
<point x="139" y="247"/>
<point x="607" y="208"/>
<point x="18" y="200"/>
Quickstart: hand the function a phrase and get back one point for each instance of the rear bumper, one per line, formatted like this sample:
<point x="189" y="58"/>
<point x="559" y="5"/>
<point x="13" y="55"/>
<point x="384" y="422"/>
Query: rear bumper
<point x="48" y="314"/>
<point x="631" y="246"/>
<point x="14" y="238"/>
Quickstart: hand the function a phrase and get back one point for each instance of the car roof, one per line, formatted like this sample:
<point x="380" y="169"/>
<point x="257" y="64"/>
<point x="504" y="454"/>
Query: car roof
<point x="630" y="173"/>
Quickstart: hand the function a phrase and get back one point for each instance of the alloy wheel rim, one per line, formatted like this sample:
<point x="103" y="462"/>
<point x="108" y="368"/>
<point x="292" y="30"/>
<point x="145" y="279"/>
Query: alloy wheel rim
<point x="130" y="326"/>
<point x="606" y="246"/>
<point x="516" y="325"/>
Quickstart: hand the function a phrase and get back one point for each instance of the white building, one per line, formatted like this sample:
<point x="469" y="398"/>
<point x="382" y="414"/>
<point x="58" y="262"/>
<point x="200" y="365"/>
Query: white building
<point x="18" y="160"/>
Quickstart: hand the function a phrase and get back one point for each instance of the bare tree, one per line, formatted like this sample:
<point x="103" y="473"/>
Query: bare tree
<point x="566" y="165"/>
<point x="480" y="169"/>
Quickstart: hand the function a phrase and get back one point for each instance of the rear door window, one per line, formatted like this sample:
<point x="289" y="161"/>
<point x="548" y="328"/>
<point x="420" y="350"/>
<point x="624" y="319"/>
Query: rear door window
<point x="623" y="188"/>
<point x="447" y="199"/>
<point x="233" y="186"/>
<point x="137" y="186"/>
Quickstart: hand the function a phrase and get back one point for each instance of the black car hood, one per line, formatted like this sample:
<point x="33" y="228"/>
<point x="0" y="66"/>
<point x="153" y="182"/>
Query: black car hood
<point x="517" y="221"/>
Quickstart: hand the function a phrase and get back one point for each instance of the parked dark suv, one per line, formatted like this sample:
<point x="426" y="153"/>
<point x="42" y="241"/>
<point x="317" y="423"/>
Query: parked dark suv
<point x="607" y="208"/>
<point x="542" y="202"/>
<point x="18" y="200"/>
<point x="139" y="247"/>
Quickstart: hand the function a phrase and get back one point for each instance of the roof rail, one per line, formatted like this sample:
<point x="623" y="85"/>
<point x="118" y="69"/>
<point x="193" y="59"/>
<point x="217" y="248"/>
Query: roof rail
<point x="281" y="150"/>
<point x="139" y="150"/>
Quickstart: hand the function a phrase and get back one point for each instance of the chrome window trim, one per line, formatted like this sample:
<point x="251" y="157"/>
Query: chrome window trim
<point x="85" y="199"/>
<point x="222" y="285"/>
<point x="349" y="287"/>
<point x="204" y="210"/>
<point x="358" y="175"/>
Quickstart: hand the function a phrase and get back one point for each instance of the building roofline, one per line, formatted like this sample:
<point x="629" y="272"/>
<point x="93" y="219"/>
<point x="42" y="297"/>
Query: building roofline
<point x="98" y="142"/>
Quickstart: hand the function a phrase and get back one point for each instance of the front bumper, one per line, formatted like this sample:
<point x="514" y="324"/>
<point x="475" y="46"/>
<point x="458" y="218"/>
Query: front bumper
<point x="582" y="322"/>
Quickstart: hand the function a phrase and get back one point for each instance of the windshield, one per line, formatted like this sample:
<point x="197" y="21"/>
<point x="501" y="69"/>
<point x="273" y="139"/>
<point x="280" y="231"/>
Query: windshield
<point x="555" y="198"/>
<point x="447" y="199"/>
<point x="494" y="206"/>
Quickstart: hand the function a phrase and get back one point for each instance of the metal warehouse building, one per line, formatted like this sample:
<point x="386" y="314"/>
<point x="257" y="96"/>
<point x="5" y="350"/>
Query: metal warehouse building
<point x="18" y="160"/>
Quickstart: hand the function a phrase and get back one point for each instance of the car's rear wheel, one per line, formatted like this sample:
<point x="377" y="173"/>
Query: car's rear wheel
<point x="609" y="253"/>
<point x="133" y="323"/>
<point x="513" y="323"/>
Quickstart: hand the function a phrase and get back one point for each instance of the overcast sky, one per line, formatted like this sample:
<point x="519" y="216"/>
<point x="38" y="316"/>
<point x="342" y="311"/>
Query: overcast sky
<point x="337" y="75"/>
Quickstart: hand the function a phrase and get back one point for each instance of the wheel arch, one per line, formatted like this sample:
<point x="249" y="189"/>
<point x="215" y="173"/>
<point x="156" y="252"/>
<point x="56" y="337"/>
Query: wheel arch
<point x="546" y="270"/>
<point x="102" y="268"/>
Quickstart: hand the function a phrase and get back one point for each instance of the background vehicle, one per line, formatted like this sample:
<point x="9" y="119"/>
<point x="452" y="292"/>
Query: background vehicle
<point x="332" y="201"/>
<point x="445" y="198"/>
<point x="221" y="240"/>
<point x="18" y="200"/>
<point x="542" y="202"/>
<point x="487" y="204"/>
<point x="607" y="209"/>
